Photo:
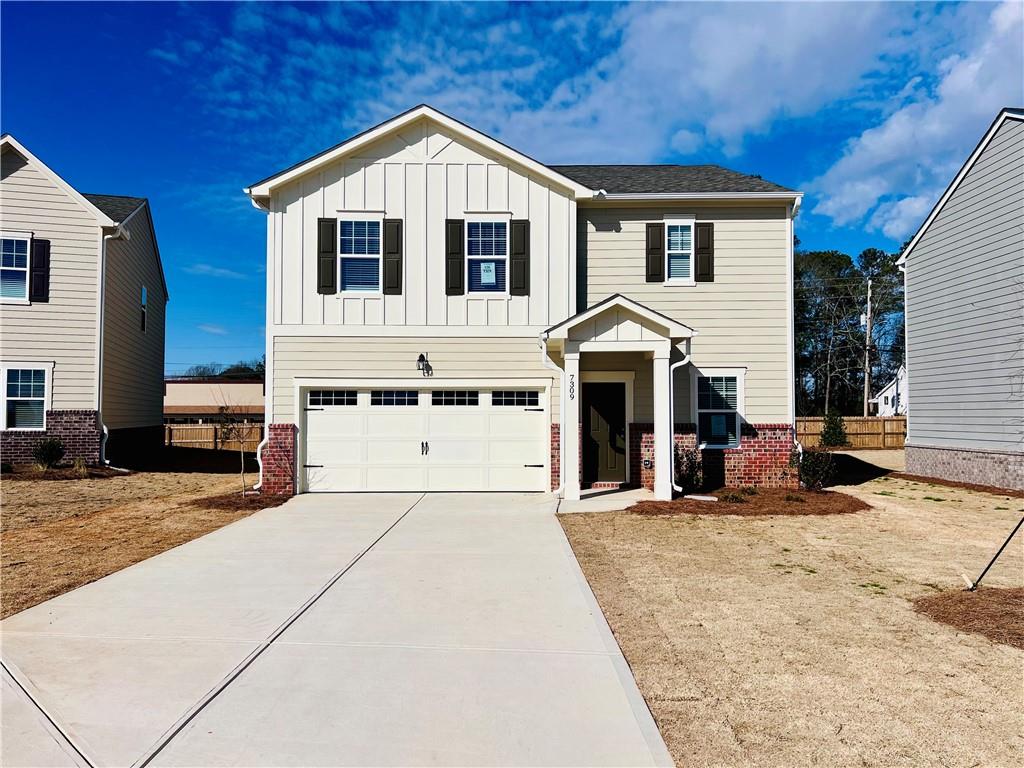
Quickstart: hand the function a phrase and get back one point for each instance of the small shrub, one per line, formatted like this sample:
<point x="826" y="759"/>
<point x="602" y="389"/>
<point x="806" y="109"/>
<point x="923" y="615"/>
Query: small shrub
<point x="689" y="473"/>
<point x="816" y="468"/>
<point x="833" y="430"/>
<point x="794" y="497"/>
<point x="80" y="469"/>
<point x="48" y="452"/>
<point x="748" y="490"/>
<point x="731" y="497"/>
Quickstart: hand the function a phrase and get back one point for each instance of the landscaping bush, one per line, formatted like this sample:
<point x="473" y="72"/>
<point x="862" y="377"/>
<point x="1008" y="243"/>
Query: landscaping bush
<point x="689" y="473"/>
<point x="48" y="452"/>
<point x="731" y="497"/>
<point x="748" y="490"/>
<point x="833" y="430"/>
<point x="794" y="497"/>
<point x="816" y="468"/>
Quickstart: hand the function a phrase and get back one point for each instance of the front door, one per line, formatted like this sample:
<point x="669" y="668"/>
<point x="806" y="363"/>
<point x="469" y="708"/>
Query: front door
<point x="604" y="432"/>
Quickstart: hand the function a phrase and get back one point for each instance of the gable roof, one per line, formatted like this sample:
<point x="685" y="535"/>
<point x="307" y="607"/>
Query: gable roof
<point x="666" y="179"/>
<point x="117" y="207"/>
<point x="674" y="327"/>
<point x="263" y="188"/>
<point x="1008" y="113"/>
<point x="8" y="141"/>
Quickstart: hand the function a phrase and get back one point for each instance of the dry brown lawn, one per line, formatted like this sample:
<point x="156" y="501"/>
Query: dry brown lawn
<point x="794" y="641"/>
<point x="60" y="534"/>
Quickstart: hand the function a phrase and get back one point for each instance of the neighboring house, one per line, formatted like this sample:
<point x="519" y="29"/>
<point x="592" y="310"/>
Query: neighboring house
<point x="209" y="400"/>
<point x="82" y="298"/>
<point x="964" y="278"/>
<point x="891" y="399"/>
<point x="446" y="313"/>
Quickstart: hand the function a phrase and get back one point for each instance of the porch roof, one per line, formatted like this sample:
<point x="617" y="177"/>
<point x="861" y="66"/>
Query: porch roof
<point x="615" y="312"/>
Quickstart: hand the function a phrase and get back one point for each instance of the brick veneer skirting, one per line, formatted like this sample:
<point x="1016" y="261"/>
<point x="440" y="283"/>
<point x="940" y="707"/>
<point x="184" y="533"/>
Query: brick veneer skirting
<point x="80" y="432"/>
<point x="278" y="458"/>
<point x="1002" y="470"/>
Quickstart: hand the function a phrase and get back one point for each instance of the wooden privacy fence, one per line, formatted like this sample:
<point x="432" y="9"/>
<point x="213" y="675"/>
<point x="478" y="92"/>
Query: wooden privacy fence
<point x="861" y="431"/>
<point x="213" y="436"/>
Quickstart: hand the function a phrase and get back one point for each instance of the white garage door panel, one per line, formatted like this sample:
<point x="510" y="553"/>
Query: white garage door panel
<point x="361" y="447"/>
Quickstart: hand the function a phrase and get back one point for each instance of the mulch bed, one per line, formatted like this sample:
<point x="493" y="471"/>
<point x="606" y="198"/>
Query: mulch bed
<point x="953" y="484"/>
<point x="757" y="502"/>
<point x="236" y="501"/>
<point x="32" y="473"/>
<point x="995" y="612"/>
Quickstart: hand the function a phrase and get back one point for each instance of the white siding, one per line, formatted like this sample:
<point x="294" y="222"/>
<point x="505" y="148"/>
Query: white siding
<point x="133" y="361"/>
<point x="965" y="309"/>
<point x="64" y="329"/>
<point x="423" y="177"/>
<point x="742" y="318"/>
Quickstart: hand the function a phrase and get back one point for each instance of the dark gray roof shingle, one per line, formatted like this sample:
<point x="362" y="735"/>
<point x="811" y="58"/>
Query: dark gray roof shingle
<point x="117" y="207"/>
<point x="665" y="179"/>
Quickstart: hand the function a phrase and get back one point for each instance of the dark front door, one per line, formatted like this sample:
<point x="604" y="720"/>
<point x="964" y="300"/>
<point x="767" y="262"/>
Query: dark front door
<point x="604" y="432"/>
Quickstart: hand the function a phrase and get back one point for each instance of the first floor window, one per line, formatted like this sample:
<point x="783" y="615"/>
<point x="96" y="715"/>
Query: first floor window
<point x="487" y="254"/>
<point x="717" y="410"/>
<point x="360" y="255"/>
<point x="25" y="398"/>
<point x="679" y="251"/>
<point x="13" y="268"/>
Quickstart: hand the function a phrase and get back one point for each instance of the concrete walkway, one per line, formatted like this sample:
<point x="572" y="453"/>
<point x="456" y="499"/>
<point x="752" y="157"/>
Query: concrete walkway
<point x="336" y="630"/>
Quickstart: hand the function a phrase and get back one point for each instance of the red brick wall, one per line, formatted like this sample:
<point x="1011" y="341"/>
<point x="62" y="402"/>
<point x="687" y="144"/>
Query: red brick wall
<point x="278" y="459"/>
<point x="80" y="432"/>
<point x="556" y="456"/>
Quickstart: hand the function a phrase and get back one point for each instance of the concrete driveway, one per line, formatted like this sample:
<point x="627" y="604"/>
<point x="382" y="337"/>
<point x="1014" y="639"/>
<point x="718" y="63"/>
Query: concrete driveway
<point x="386" y="629"/>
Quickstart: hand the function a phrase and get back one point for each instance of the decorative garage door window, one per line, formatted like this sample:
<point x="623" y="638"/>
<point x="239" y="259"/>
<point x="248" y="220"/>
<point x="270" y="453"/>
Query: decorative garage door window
<point x="394" y="397"/>
<point x="487" y="249"/>
<point x="717" y="416"/>
<point x="454" y="397"/>
<point x="520" y="398"/>
<point x="25" y="397"/>
<point x="360" y="255"/>
<point x="332" y="397"/>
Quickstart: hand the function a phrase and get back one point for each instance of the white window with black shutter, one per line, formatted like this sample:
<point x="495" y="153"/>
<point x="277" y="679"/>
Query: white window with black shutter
<point x="679" y="250"/>
<point x="15" y="264"/>
<point x="360" y="253"/>
<point x="718" y="406"/>
<point x="487" y="248"/>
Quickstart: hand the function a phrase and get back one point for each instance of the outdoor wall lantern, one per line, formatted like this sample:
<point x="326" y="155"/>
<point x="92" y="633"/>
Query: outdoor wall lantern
<point x="423" y="365"/>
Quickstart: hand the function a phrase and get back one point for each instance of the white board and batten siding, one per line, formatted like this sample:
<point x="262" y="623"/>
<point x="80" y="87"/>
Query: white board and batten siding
<point x="965" y="309"/>
<point x="422" y="176"/>
<point x="63" y="330"/>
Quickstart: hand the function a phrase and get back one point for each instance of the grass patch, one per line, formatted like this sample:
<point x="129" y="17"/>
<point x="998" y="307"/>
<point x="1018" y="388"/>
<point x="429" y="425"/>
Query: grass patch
<point x="933" y="498"/>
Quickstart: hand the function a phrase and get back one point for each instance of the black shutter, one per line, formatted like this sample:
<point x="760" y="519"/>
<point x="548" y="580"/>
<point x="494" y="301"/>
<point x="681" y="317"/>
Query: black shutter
<point x="704" y="250"/>
<point x="39" y="271"/>
<point x="327" y="256"/>
<point x="392" y="256"/>
<point x="454" y="257"/>
<point x="656" y="253"/>
<point x="519" y="259"/>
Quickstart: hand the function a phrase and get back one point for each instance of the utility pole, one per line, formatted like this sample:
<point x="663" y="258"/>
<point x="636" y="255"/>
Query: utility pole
<point x="867" y="353"/>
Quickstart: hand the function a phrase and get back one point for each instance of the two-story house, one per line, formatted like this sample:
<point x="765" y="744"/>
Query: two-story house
<point x="82" y="298"/>
<point x="445" y="313"/>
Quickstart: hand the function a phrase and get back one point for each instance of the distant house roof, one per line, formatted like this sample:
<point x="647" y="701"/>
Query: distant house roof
<point x="117" y="207"/>
<point x="665" y="179"/>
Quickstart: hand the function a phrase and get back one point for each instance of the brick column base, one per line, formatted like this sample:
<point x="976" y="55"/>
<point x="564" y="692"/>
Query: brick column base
<point x="278" y="460"/>
<point x="80" y="431"/>
<point x="556" y="455"/>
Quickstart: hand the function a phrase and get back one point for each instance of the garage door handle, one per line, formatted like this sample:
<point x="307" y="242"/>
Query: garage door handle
<point x="424" y="448"/>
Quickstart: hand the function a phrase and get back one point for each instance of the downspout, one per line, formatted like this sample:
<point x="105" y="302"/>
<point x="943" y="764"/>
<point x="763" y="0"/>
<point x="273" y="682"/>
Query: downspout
<point x="119" y="233"/>
<point x="672" y="411"/>
<point x="268" y="362"/>
<point x="547" y="363"/>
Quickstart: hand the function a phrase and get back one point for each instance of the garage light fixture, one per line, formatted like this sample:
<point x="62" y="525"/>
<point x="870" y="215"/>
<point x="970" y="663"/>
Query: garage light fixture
<point x="423" y="365"/>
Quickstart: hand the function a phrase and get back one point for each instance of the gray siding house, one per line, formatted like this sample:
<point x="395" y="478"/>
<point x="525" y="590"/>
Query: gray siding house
<point x="964" y="277"/>
<point x="82" y="300"/>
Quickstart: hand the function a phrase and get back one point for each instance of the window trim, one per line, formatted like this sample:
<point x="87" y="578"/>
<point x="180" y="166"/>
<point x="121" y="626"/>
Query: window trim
<point x="368" y="216"/>
<point x="35" y="365"/>
<point x="682" y="219"/>
<point x="487" y="218"/>
<point x="143" y="298"/>
<point x="695" y="410"/>
<point x="27" y="237"/>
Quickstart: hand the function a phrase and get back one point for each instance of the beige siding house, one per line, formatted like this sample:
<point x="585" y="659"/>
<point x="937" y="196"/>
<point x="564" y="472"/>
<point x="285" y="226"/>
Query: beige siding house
<point x="446" y="313"/>
<point x="964" y="275"/>
<point x="82" y="299"/>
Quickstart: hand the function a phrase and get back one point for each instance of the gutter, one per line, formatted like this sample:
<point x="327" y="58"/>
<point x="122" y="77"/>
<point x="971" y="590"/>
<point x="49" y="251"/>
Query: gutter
<point x="683" y="196"/>
<point x="123" y="234"/>
<point x="672" y="412"/>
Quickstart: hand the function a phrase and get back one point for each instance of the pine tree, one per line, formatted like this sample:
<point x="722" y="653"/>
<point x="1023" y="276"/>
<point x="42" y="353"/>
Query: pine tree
<point x="833" y="431"/>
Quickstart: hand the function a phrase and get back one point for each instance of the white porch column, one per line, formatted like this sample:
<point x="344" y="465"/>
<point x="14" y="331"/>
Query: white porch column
<point x="663" y="429"/>
<point x="571" y="427"/>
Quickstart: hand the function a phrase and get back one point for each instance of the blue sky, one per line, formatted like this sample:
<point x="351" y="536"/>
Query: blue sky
<point x="868" y="108"/>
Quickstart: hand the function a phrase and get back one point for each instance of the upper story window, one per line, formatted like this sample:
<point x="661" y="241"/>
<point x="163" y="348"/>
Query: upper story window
<point x="24" y="398"/>
<point x="14" y="263"/>
<point x="487" y="256"/>
<point x="142" y="307"/>
<point x="679" y="251"/>
<point x="719" y="403"/>
<point x="360" y="253"/>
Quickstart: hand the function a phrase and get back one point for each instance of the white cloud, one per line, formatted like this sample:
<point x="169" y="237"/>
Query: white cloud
<point x="893" y="172"/>
<point x="216" y="330"/>
<point x="209" y="270"/>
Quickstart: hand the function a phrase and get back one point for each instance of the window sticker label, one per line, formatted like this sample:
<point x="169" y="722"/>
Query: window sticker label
<point x="487" y="273"/>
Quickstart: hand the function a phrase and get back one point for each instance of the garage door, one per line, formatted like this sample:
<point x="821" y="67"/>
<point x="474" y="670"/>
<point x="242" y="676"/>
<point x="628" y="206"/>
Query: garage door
<point x="425" y="440"/>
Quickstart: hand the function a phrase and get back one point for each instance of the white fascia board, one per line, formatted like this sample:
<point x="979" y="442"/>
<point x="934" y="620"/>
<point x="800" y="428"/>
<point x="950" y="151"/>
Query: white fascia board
<point x="675" y="329"/>
<point x="1005" y="115"/>
<point x="264" y="188"/>
<point x="102" y="219"/>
